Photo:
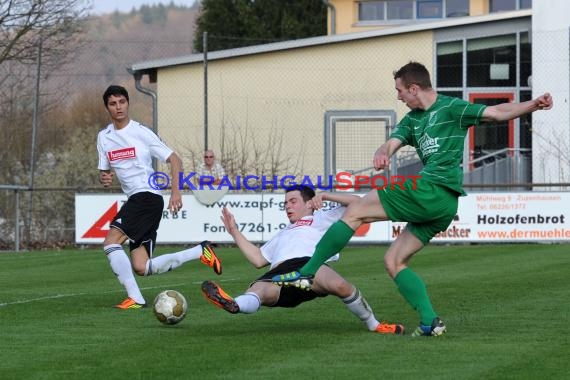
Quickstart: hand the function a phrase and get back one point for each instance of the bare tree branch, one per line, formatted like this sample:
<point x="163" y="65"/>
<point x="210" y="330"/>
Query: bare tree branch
<point x="24" y="22"/>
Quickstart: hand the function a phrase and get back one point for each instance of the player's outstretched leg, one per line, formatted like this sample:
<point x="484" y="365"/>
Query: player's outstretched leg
<point x="169" y="261"/>
<point x="295" y="279"/>
<point x="389" y="328"/>
<point x="209" y="257"/>
<point x="333" y="241"/>
<point x="130" y="303"/>
<point x="437" y="328"/>
<point x="216" y="295"/>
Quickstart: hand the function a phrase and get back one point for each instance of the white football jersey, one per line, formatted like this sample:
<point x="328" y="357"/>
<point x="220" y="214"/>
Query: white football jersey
<point x="299" y="239"/>
<point x="129" y="152"/>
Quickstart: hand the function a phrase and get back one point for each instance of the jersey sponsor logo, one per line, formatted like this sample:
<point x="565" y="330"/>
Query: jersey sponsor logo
<point x="303" y="222"/>
<point x="428" y="145"/>
<point x="300" y="223"/>
<point x="122" y="154"/>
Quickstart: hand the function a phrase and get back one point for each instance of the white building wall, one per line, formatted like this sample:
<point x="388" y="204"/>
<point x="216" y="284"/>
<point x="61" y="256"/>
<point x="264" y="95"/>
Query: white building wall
<point x="551" y="73"/>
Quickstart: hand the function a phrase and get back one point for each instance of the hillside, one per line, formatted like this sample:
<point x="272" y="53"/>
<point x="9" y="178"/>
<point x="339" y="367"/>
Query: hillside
<point x="115" y="41"/>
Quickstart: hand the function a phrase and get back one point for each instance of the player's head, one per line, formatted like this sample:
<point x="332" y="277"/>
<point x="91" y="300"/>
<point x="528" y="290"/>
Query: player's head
<point x="414" y="73"/>
<point x="411" y="79"/>
<point x="116" y="91"/>
<point x="116" y="99"/>
<point x="296" y="202"/>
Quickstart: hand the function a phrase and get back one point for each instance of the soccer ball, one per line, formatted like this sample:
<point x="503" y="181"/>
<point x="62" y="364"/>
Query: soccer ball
<point x="170" y="307"/>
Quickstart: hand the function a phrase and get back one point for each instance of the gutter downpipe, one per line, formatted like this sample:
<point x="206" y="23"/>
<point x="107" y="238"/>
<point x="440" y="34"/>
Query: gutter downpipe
<point x="138" y="76"/>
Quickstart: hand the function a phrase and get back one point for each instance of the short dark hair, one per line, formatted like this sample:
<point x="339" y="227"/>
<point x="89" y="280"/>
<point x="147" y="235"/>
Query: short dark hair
<point x="114" y="90"/>
<point x="307" y="193"/>
<point x="414" y="73"/>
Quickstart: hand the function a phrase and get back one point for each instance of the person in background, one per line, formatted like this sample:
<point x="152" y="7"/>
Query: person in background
<point x="210" y="167"/>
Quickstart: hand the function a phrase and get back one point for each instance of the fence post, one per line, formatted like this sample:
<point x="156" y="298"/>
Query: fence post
<point x="17" y="222"/>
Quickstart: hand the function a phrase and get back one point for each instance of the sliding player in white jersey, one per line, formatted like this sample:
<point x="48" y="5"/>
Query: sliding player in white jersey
<point x="291" y="248"/>
<point x="127" y="148"/>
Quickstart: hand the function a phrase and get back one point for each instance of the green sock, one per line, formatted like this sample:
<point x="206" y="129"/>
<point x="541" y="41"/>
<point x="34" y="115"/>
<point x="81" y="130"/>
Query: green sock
<point x="414" y="291"/>
<point x="335" y="239"/>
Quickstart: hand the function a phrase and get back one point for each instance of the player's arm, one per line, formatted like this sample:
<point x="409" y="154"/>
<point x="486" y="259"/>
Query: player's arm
<point x="175" y="202"/>
<point x="382" y="156"/>
<point x="105" y="173"/>
<point x="251" y="252"/>
<point x="509" y="111"/>
<point x="343" y="199"/>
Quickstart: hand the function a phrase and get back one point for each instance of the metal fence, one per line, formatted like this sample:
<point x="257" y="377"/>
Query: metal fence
<point x="69" y="96"/>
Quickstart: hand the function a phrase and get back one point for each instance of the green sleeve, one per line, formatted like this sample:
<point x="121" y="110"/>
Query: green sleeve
<point x="403" y="131"/>
<point x="467" y="113"/>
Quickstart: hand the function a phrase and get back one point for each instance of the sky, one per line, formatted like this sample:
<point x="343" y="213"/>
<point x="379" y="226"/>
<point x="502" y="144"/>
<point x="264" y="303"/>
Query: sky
<point x="109" y="6"/>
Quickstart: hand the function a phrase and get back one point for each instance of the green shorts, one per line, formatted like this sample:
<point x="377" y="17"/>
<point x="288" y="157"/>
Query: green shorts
<point x="428" y="208"/>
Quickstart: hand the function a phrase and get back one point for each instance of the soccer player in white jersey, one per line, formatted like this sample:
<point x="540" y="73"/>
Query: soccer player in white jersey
<point x="291" y="248"/>
<point x="127" y="148"/>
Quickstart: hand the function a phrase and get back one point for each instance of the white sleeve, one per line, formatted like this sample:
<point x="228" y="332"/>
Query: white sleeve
<point x="103" y="159"/>
<point x="156" y="146"/>
<point x="268" y="248"/>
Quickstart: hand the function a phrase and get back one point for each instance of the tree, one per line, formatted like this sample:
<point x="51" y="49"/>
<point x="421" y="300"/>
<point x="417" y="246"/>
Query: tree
<point x="64" y="166"/>
<point x="26" y="27"/>
<point x="23" y="23"/>
<point x="239" y="23"/>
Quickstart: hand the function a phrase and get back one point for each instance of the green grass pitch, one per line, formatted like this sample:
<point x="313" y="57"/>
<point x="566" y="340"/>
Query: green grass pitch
<point x="506" y="308"/>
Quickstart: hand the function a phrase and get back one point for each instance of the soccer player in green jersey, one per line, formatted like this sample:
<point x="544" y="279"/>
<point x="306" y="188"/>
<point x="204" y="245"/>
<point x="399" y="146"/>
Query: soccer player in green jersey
<point x="436" y="126"/>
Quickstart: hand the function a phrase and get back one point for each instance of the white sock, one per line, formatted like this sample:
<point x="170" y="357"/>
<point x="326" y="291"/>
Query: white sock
<point x="248" y="303"/>
<point x="169" y="261"/>
<point x="121" y="266"/>
<point x="359" y="307"/>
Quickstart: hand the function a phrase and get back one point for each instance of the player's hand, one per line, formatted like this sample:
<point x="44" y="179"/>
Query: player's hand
<point x="106" y="177"/>
<point x="175" y="202"/>
<point x="229" y="221"/>
<point x="316" y="202"/>
<point x="381" y="160"/>
<point x="544" y="102"/>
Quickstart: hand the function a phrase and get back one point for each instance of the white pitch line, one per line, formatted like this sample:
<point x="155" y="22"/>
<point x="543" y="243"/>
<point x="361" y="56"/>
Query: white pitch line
<point x="56" y="296"/>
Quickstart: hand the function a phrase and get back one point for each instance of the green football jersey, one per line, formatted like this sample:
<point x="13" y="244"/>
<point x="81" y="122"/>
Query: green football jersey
<point x="438" y="134"/>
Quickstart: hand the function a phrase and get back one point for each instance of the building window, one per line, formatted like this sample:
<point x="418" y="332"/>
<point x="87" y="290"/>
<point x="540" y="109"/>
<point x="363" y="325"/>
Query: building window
<point x="429" y="8"/>
<point x="526" y="123"/>
<point x="508" y="5"/>
<point x="400" y="9"/>
<point x="453" y="94"/>
<point x="492" y="61"/>
<point x="371" y="10"/>
<point x="525" y="60"/>
<point x="502" y="5"/>
<point x="390" y="10"/>
<point x="386" y="10"/>
<point x="450" y="64"/>
<point x="457" y="8"/>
